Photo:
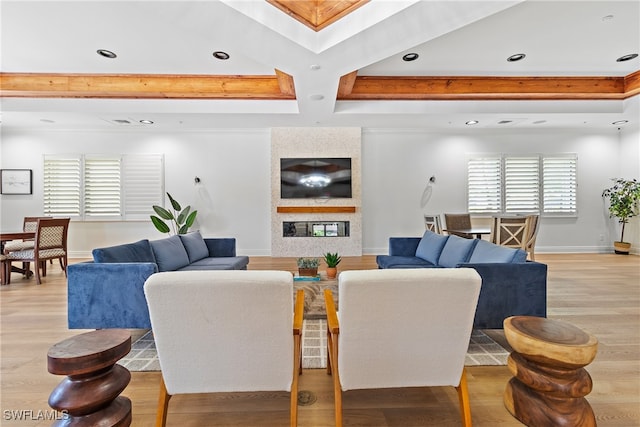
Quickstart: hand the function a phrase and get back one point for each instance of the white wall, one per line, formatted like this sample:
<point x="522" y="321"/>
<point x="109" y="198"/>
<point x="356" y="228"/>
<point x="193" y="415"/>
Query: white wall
<point x="234" y="168"/>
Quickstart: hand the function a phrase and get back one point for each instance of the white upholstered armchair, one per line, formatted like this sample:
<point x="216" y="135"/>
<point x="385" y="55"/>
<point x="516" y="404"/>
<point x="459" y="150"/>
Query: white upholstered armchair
<point x="225" y="331"/>
<point x="401" y="328"/>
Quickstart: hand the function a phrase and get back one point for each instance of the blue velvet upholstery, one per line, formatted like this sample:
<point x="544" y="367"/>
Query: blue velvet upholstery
<point x="486" y="252"/>
<point x="139" y="251"/>
<point x="110" y="293"/>
<point x="515" y="287"/>
<point x="456" y="250"/>
<point x="430" y="246"/>
<point x="170" y="253"/>
<point x="195" y="246"/>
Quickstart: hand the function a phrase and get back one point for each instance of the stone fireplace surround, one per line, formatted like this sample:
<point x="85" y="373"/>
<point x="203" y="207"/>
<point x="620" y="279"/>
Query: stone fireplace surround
<point x="316" y="142"/>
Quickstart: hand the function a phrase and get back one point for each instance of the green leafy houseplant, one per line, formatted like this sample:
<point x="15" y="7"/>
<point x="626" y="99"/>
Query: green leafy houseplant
<point x="332" y="260"/>
<point x="179" y="219"/>
<point x="308" y="266"/>
<point x="623" y="200"/>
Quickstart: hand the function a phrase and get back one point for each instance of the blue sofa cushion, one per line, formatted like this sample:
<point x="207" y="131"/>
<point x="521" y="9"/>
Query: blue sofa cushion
<point x="486" y="252"/>
<point x="430" y="246"/>
<point x="391" y="261"/>
<point x="219" y="263"/>
<point x="130" y="252"/>
<point x="195" y="246"/>
<point x="170" y="253"/>
<point x="456" y="250"/>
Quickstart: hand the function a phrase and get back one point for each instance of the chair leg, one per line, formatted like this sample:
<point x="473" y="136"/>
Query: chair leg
<point x="297" y="369"/>
<point x="163" y="405"/>
<point x="337" y="390"/>
<point x="463" y="397"/>
<point x="36" y="267"/>
<point x="329" y="344"/>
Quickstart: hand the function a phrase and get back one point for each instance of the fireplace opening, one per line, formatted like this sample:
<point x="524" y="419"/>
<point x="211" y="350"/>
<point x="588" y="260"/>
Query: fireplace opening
<point x="315" y="229"/>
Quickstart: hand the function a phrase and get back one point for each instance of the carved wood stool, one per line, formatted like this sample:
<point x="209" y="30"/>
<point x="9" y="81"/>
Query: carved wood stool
<point x="550" y="381"/>
<point x="90" y="395"/>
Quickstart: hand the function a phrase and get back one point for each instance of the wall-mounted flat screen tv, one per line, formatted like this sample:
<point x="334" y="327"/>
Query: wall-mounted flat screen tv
<point x="315" y="178"/>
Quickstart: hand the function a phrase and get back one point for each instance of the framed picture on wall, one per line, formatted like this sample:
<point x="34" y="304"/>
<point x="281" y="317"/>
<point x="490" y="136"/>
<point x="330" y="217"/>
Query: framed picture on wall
<point x="16" y="181"/>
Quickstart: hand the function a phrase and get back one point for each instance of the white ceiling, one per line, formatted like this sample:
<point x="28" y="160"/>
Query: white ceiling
<point x="453" y="38"/>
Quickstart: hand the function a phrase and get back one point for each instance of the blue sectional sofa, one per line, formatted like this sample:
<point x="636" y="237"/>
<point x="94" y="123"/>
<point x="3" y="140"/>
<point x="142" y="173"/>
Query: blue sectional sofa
<point x="108" y="292"/>
<point x="511" y="285"/>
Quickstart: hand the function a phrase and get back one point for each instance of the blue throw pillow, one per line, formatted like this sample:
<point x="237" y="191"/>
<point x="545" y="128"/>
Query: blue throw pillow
<point x="487" y="252"/>
<point x="139" y="251"/>
<point x="170" y="253"/>
<point x="456" y="251"/>
<point x="195" y="246"/>
<point x="430" y="246"/>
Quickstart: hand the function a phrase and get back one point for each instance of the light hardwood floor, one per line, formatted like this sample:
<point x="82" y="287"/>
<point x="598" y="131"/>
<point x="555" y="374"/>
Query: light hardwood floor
<point x="598" y="293"/>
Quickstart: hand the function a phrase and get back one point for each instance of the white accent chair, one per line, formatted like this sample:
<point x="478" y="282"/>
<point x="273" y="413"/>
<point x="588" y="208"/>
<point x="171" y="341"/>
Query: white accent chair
<point x="401" y="328"/>
<point x="225" y="331"/>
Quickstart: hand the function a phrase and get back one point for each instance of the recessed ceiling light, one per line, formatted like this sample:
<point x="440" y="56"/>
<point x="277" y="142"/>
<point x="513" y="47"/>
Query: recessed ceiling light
<point x="607" y="17"/>
<point x="539" y="122"/>
<point x="316" y="97"/>
<point x="505" y="122"/>
<point x="47" y="121"/>
<point x="516" y="57"/>
<point x="620" y="122"/>
<point x="410" y="57"/>
<point x="628" y="57"/>
<point x="315" y="67"/>
<point x="472" y="122"/>
<point x="106" y="53"/>
<point x="146" y="122"/>
<point x="223" y="56"/>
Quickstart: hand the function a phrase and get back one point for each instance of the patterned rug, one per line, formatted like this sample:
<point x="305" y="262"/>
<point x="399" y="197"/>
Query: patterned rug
<point x="483" y="350"/>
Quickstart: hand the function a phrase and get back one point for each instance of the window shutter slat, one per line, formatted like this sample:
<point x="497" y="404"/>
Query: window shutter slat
<point x="484" y="192"/>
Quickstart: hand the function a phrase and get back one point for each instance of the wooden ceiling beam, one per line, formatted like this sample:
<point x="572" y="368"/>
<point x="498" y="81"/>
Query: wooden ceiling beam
<point x="317" y="14"/>
<point x="491" y="88"/>
<point x="145" y="86"/>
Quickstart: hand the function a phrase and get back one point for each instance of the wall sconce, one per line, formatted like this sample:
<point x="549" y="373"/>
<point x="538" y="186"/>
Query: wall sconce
<point x="196" y="180"/>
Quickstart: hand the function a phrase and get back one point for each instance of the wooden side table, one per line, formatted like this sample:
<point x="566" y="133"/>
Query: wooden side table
<point x="550" y="381"/>
<point x="90" y="395"/>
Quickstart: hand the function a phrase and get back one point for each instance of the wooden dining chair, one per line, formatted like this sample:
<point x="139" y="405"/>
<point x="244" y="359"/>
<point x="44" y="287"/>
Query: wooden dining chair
<point x="30" y="223"/>
<point x="458" y="222"/>
<point x="532" y="233"/>
<point x="509" y="231"/>
<point x="50" y="243"/>
<point x="432" y="223"/>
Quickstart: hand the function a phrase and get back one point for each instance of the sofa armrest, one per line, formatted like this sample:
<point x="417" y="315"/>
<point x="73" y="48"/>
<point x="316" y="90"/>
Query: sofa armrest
<point x="108" y="295"/>
<point x="510" y="289"/>
<point x="403" y="246"/>
<point x="221" y="246"/>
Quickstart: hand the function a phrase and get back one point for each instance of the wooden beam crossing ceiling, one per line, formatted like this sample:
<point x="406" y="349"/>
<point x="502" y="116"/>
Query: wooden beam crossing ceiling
<point x="354" y="87"/>
<point x="281" y="86"/>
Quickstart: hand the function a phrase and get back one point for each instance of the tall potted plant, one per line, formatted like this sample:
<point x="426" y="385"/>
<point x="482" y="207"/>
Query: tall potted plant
<point x="179" y="219"/>
<point x="623" y="204"/>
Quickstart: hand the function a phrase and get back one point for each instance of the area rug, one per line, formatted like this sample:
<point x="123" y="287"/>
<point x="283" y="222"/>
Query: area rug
<point x="483" y="350"/>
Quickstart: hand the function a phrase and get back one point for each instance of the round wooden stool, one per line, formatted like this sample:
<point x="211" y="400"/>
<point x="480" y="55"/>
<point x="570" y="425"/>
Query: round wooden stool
<point x="90" y="395"/>
<point x="550" y="381"/>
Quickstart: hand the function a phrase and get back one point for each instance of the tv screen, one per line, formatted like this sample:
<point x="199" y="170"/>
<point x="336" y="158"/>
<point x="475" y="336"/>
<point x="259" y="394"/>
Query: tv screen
<point x="314" y="178"/>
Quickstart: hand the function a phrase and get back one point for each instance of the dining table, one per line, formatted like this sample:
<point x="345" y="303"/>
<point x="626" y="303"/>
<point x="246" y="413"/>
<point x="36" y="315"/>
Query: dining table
<point x="7" y="236"/>
<point x="476" y="231"/>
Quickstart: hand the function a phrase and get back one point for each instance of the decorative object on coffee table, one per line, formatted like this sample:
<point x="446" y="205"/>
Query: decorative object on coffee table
<point x="332" y="260"/>
<point x="90" y="395"/>
<point x="550" y="381"/>
<point x="623" y="204"/>
<point x="308" y="266"/>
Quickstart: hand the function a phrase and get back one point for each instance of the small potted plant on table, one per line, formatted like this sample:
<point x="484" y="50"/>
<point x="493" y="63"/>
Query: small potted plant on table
<point x="332" y="261"/>
<point x="308" y="266"/>
<point x="623" y="204"/>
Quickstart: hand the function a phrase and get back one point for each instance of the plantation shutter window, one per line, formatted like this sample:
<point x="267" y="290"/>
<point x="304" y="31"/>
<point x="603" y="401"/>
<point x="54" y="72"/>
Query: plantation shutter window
<point x="143" y="177"/>
<point x="62" y="183"/>
<point x="560" y="185"/>
<point x="484" y="185"/>
<point x="521" y="185"/>
<point x="102" y="187"/>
